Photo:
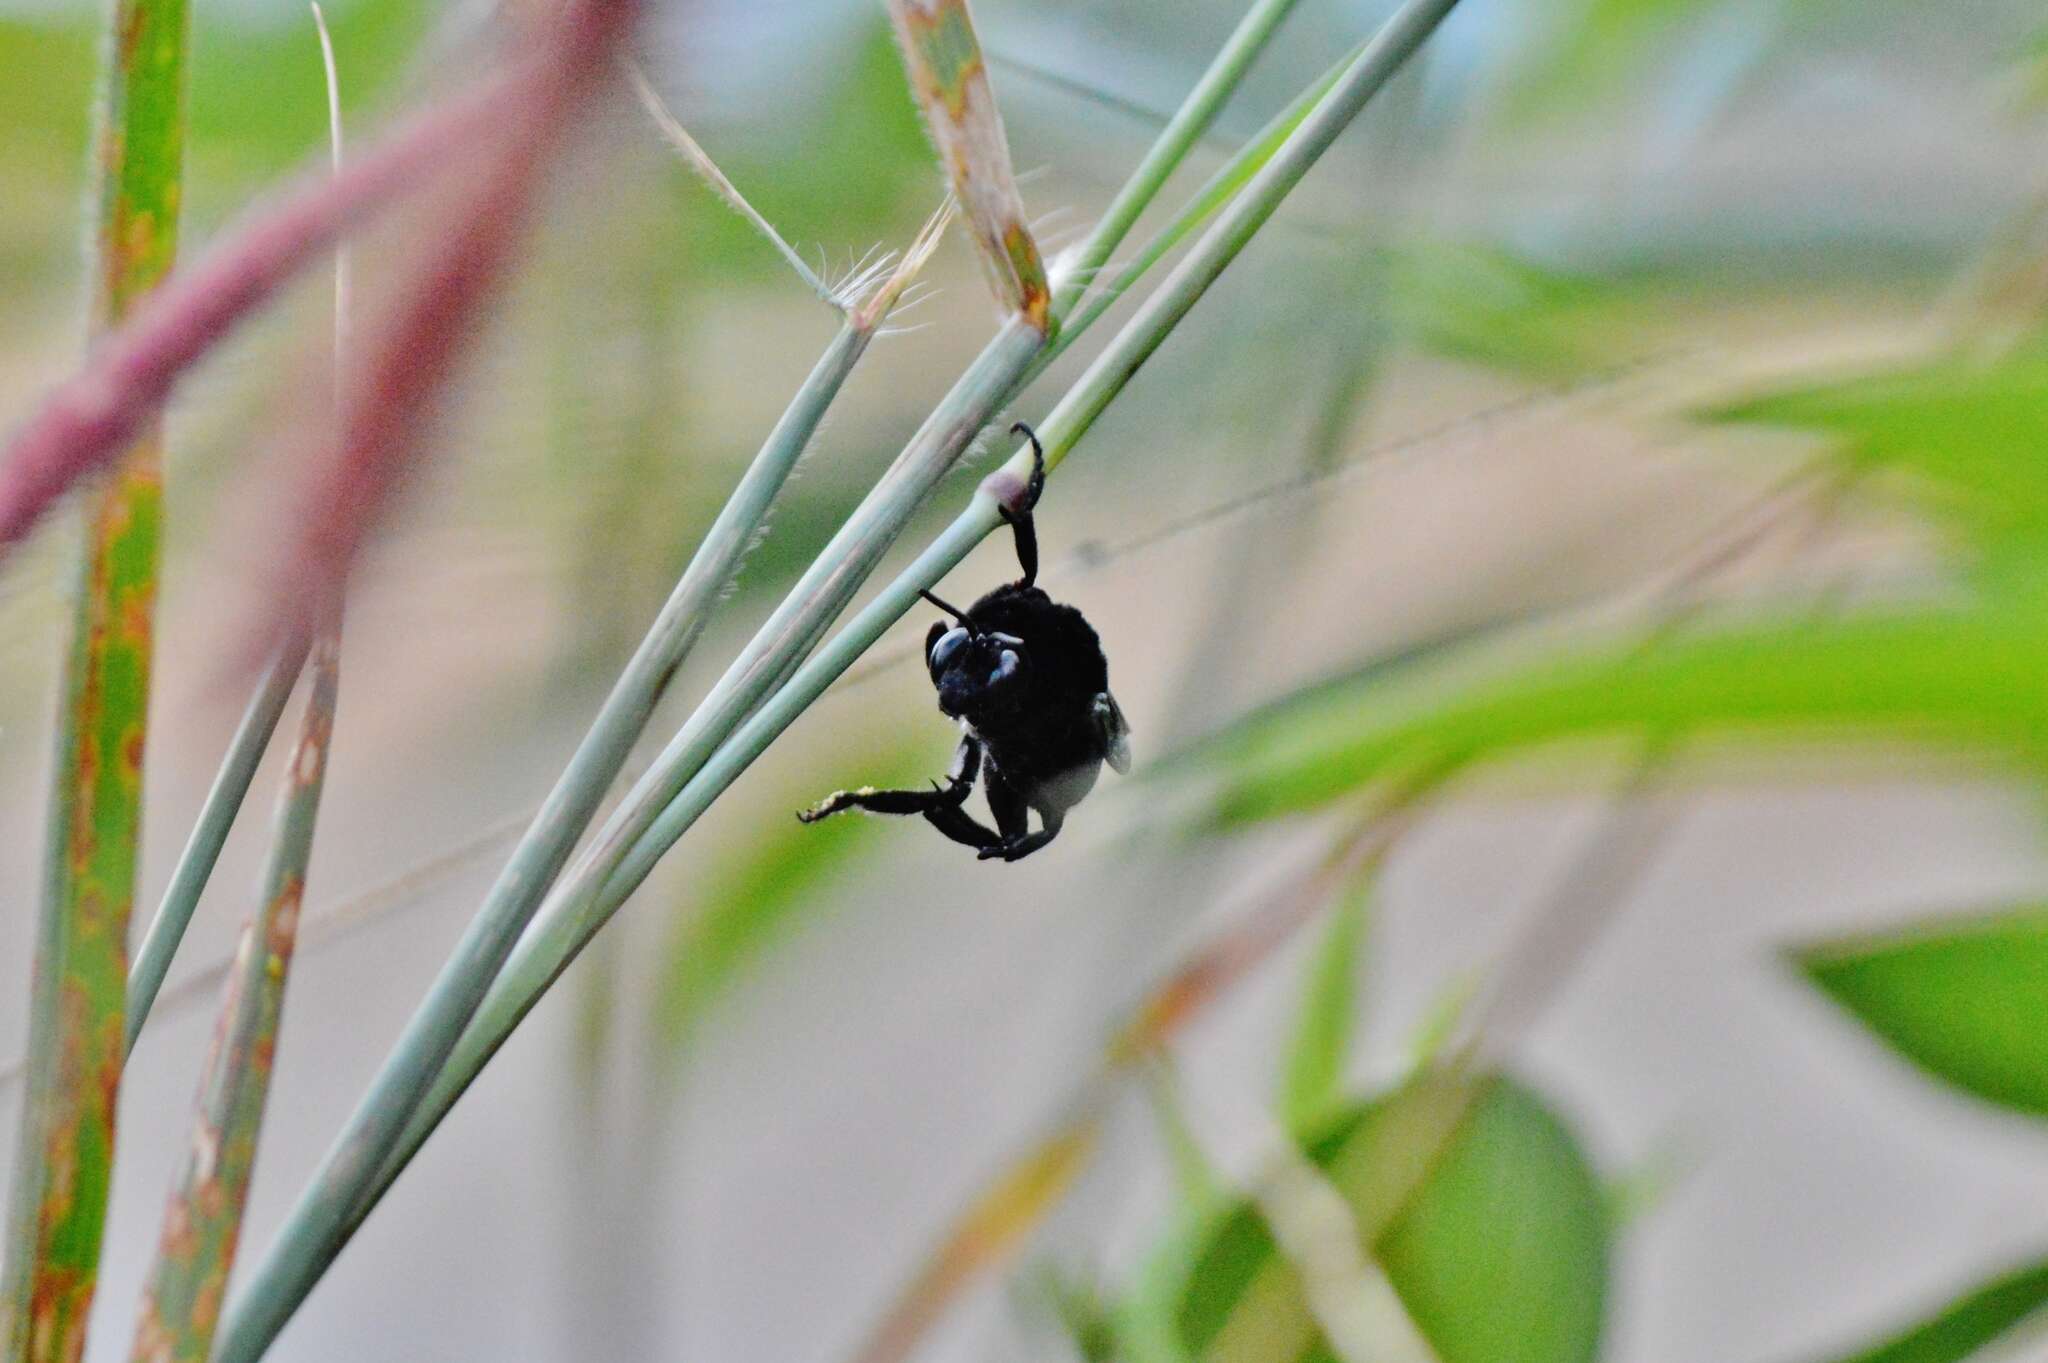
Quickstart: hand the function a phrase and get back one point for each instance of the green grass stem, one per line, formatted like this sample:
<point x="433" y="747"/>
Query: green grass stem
<point x="1217" y="191"/>
<point x="1182" y="131"/>
<point x="63" y="1168"/>
<point x="210" y="833"/>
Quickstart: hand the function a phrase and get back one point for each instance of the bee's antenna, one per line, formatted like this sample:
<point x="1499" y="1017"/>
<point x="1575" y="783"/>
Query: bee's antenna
<point x="953" y="611"/>
<point x="1019" y="428"/>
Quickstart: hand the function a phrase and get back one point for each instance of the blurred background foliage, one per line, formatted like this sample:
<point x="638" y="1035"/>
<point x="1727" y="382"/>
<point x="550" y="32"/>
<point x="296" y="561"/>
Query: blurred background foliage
<point x="1816" y="226"/>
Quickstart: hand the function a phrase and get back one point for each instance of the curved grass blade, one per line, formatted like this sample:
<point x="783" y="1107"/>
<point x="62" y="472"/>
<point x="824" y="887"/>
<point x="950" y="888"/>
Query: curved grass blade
<point x="203" y="1221"/>
<point x="947" y="74"/>
<point x="707" y="170"/>
<point x="64" y="1163"/>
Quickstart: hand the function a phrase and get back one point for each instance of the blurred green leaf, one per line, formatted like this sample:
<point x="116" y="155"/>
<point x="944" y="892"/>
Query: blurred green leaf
<point x="1965" y="434"/>
<point x="758" y="896"/>
<point x="1083" y="1312"/>
<point x="1595" y="47"/>
<point x="1966" y="679"/>
<point x="1964" y="999"/>
<point x="45" y="109"/>
<point x="1491" y="307"/>
<point x="1972" y="1321"/>
<point x="1504" y="1254"/>
<point x="1959" y="437"/>
<point x="751" y="904"/>
<point x="1314" y="1069"/>
<point x="1143" y="1322"/>
<point x="1593" y="50"/>
<point x="1495" y="1235"/>
<point x="2034" y="68"/>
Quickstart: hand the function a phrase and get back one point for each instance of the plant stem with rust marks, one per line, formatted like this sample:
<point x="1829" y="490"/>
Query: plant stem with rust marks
<point x="77" y="1040"/>
<point x="948" y="75"/>
<point x="203" y="1222"/>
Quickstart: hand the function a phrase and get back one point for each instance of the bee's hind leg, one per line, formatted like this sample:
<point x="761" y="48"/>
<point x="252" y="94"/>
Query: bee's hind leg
<point x="1016" y="849"/>
<point x="1013" y="816"/>
<point x="1021" y="525"/>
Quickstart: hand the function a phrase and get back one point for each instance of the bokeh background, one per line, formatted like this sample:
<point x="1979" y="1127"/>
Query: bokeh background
<point x="1450" y="386"/>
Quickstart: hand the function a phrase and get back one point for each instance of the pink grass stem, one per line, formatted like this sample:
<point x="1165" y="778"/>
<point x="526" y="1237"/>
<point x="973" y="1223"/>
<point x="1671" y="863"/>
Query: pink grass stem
<point x="387" y="414"/>
<point x="90" y="418"/>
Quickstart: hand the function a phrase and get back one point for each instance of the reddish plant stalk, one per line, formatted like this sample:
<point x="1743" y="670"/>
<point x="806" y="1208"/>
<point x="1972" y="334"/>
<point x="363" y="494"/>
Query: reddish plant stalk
<point x="89" y="419"/>
<point x="385" y="415"/>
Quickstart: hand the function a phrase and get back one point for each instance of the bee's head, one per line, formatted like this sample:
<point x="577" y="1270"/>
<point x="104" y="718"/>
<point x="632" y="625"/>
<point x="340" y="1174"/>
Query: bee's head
<point x="975" y="670"/>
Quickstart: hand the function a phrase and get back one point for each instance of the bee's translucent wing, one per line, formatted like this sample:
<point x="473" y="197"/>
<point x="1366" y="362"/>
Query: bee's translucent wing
<point x="1116" y="733"/>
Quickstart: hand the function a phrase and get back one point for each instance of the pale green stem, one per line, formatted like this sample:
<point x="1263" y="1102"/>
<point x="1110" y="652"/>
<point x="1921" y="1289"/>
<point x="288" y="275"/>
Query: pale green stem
<point x="1170" y="148"/>
<point x="210" y="833"/>
<point x="317" y="1226"/>
<point x="574" y="916"/>
<point x="1216" y="192"/>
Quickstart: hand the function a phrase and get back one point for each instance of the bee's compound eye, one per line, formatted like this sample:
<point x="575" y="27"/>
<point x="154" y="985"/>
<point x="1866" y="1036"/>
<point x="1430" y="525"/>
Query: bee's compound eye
<point x="1005" y="668"/>
<point x="949" y="644"/>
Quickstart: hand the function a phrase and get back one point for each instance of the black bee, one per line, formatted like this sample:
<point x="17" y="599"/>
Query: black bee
<point x="1026" y="679"/>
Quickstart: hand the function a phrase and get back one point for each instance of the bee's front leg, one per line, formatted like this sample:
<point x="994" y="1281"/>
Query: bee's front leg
<point x="940" y="799"/>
